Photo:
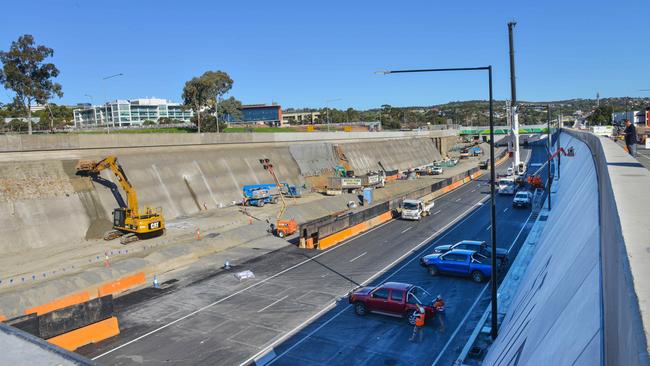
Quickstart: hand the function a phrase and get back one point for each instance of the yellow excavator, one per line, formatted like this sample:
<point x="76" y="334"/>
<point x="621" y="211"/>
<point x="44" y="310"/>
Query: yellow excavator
<point x="129" y="224"/>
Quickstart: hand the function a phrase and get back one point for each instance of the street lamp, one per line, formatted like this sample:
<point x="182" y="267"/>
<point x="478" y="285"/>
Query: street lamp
<point x="106" y="103"/>
<point x="327" y="105"/>
<point x="492" y="179"/>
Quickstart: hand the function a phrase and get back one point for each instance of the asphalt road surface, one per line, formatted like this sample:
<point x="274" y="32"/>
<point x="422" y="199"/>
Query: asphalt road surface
<point x="295" y="310"/>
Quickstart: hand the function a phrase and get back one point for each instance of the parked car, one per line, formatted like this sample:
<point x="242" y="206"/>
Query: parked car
<point x="478" y="246"/>
<point x="392" y="298"/>
<point x="483" y="164"/>
<point x="522" y="199"/>
<point x="460" y="262"/>
<point x="436" y="170"/>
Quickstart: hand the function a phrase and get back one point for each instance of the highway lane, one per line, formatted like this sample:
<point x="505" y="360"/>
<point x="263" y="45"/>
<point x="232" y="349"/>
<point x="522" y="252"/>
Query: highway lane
<point x="342" y="338"/>
<point x="218" y="320"/>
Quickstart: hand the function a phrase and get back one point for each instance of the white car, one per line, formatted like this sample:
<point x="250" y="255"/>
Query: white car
<point x="522" y="199"/>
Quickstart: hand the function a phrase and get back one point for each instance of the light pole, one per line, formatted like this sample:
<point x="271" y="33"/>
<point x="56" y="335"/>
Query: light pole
<point x="92" y="105"/>
<point x="327" y="105"/>
<point x="106" y="103"/>
<point x="548" y="179"/>
<point x="493" y="212"/>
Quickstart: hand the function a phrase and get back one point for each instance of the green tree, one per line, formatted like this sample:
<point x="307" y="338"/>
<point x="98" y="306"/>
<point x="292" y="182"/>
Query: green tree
<point x="25" y="72"/>
<point x="210" y="122"/>
<point x="602" y="115"/>
<point x="149" y="122"/>
<point x="197" y="94"/>
<point x="229" y="110"/>
<point x="220" y="83"/>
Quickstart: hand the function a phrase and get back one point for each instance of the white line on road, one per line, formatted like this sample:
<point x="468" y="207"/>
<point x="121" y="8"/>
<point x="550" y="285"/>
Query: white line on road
<point x="407" y="229"/>
<point x="271" y="304"/>
<point x="455" y="221"/>
<point x="489" y="227"/>
<point x="357" y="257"/>
<point x="235" y="294"/>
<point x="437" y="212"/>
<point x="479" y="296"/>
<point x="459" y="325"/>
<point x="473" y="190"/>
<point x="458" y="199"/>
<point x="505" y="209"/>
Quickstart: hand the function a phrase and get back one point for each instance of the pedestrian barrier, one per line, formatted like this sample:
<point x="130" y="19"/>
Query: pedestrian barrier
<point x="121" y="285"/>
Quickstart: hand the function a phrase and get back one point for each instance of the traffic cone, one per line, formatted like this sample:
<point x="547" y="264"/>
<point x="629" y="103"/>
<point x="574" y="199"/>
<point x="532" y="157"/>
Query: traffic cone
<point x="106" y="262"/>
<point x="198" y="234"/>
<point x="155" y="282"/>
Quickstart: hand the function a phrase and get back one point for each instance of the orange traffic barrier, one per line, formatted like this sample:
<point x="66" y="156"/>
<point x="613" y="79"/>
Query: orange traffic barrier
<point x="121" y="285"/>
<point x="2" y="318"/>
<point x="61" y="303"/>
<point x="309" y="243"/>
<point x="336" y="238"/>
<point x="89" y="334"/>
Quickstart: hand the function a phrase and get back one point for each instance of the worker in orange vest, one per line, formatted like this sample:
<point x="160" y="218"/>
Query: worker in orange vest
<point x="439" y="306"/>
<point x="418" y="329"/>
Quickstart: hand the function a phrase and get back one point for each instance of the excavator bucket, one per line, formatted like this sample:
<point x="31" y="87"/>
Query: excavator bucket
<point x="85" y="165"/>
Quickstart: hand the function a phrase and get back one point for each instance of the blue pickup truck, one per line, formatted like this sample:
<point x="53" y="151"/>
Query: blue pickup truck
<point x="460" y="262"/>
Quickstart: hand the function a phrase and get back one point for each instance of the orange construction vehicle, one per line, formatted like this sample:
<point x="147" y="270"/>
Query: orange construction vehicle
<point x="535" y="180"/>
<point x="282" y="227"/>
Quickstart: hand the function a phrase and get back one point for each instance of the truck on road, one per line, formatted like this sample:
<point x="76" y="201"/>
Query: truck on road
<point x="393" y="299"/>
<point x="460" y="262"/>
<point x="415" y="209"/>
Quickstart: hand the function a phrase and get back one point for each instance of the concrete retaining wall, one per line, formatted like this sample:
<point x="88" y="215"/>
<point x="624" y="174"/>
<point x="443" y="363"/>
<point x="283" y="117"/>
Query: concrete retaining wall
<point x="43" y="203"/>
<point x="14" y="143"/>
<point x="576" y="303"/>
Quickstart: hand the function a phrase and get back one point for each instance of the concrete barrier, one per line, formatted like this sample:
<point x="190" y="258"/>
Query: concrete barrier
<point x="92" y="333"/>
<point x="18" y="143"/>
<point x="121" y="285"/>
<point x="577" y="302"/>
<point x="61" y="303"/>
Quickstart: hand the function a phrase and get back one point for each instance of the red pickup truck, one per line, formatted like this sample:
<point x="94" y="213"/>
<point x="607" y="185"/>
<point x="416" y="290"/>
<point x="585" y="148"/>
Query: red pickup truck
<point x="392" y="298"/>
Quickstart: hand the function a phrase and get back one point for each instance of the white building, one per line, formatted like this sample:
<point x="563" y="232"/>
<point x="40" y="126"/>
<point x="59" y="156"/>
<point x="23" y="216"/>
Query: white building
<point x="130" y="112"/>
<point x="635" y="117"/>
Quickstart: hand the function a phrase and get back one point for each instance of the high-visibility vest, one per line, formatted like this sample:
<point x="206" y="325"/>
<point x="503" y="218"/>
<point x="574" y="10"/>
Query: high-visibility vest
<point x="419" y="320"/>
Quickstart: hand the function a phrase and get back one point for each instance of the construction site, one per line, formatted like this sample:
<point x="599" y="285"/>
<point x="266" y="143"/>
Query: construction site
<point x="61" y="195"/>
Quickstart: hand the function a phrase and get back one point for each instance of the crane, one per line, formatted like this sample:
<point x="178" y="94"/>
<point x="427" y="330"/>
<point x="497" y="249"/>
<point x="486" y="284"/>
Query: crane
<point x="535" y="179"/>
<point x="129" y="224"/>
<point x="283" y="227"/>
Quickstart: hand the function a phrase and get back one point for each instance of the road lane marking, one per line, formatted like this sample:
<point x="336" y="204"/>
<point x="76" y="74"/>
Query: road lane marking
<point x="203" y="308"/>
<point x="444" y="349"/>
<point x="458" y="220"/>
<point x="453" y="335"/>
<point x="505" y="209"/>
<point x="489" y="227"/>
<point x="357" y="257"/>
<point x="327" y="308"/>
<point x="473" y="190"/>
<point x="407" y="229"/>
<point x="437" y="212"/>
<point x="458" y="199"/>
<point x="271" y="304"/>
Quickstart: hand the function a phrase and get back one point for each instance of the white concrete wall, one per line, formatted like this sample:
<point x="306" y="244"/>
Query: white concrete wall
<point x="555" y="317"/>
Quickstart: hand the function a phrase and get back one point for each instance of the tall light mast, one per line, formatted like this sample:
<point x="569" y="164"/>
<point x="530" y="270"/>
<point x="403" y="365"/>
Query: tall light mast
<point x="514" y="115"/>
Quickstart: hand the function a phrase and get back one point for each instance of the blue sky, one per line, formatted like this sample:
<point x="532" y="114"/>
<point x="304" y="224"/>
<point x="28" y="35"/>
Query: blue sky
<point x="302" y="53"/>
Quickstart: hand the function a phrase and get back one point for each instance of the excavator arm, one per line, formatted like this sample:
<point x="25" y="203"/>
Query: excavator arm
<point x="110" y="162"/>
